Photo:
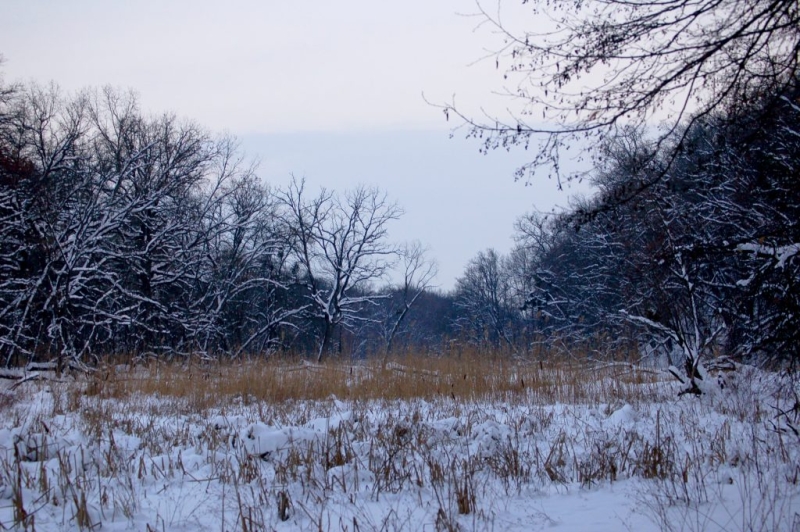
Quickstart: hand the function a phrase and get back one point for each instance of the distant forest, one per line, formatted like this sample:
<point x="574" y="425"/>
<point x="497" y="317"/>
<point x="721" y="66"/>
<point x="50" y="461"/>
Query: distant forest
<point x="125" y="235"/>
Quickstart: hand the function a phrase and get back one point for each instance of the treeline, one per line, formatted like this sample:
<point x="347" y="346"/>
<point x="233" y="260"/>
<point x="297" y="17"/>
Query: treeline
<point x="122" y="234"/>
<point x="690" y="248"/>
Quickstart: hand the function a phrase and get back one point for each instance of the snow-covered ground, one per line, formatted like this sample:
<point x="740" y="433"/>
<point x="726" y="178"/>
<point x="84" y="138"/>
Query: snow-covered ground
<point x="725" y="461"/>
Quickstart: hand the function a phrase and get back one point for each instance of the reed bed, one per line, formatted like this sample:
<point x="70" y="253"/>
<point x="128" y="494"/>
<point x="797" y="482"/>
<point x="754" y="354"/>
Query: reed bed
<point x="470" y="377"/>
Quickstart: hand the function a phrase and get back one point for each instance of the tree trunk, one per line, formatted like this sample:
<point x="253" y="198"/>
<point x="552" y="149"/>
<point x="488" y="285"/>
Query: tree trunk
<point x="325" y="344"/>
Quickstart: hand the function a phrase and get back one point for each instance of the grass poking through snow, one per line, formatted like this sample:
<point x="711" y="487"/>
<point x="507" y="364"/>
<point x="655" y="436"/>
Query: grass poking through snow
<point x="461" y="443"/>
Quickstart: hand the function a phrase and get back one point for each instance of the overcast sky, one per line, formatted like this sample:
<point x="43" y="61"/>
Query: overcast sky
<point x="331" y="91"/>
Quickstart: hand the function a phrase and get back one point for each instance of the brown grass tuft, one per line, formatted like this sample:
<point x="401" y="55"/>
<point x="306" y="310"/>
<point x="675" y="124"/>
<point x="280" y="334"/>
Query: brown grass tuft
<point x="464" y="378"/>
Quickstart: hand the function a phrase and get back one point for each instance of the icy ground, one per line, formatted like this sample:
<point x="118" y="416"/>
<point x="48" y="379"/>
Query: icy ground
<point x="728" y="461"/>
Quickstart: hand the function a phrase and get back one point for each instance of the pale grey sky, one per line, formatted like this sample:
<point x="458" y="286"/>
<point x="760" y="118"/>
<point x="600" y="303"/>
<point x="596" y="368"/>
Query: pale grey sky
<point x="327" y="90"/>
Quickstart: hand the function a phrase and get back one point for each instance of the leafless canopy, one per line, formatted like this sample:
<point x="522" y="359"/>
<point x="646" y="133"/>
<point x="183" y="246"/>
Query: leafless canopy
<point x="591" y="66"/>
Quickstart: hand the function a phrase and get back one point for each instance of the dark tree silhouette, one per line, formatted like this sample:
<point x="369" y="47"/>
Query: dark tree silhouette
<point x="581" y="69"/>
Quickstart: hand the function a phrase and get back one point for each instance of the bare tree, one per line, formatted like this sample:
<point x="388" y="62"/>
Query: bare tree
<point x="599" y="64"/>
<point x="418" y="273"/>
<point x="235" y="281"/>
<point x="340" y="247"/>
<point x="702" y="263"/>
<point x="126" y="234"/>
<point x="482" y="295"/>
<point x="576" y="281"/>
<point x="61" y="228"/>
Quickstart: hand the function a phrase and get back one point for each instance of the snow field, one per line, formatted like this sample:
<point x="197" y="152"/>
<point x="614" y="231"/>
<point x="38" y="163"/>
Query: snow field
<point x="71" y="460"/>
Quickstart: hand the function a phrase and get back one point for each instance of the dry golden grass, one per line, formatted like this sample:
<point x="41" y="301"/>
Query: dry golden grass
<point x="467" y="377"/>
<point x="191" y="424"/>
